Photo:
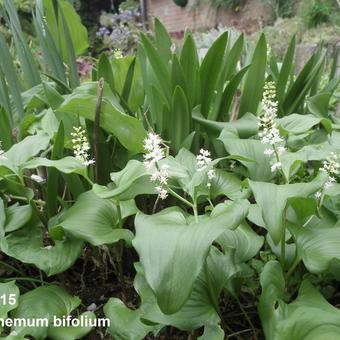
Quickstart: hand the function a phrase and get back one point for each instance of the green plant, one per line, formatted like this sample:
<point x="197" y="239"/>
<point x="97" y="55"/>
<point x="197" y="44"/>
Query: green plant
<point x="319" y="12"/>
<point x="233" y="4"/>
<point x="209" y="188"/>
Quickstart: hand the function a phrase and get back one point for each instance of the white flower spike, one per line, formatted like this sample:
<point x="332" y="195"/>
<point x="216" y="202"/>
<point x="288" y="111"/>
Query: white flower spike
<point x="332" y="168"/>
<point x="153" y="146"/>
<point x="81" y="146"/>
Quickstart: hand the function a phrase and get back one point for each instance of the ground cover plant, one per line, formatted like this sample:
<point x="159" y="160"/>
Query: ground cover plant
<point x="178" y="196"/>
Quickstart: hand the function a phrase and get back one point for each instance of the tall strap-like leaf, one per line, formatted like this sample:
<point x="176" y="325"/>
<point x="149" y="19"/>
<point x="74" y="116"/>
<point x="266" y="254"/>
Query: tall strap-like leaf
<point x="162" y="40"/>
<point x="253" y="86"/>
<point x="71" y="56"/>
<point x="27" y="62"/>
<point x="11" y="75"/>
<point x="159" y="66"/>
<point x="52" y="58"/>
<point x="190" y="66"/>
<point x="286" y="69"/>
<point x="210" y="71"/>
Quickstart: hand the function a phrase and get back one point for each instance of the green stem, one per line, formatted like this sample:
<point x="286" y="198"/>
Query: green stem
<point x="283" y="249"/>
<point x="195" y="212"/>
<point x="292" y="268"/>
<point x="277" y="156"/>
<point x="12" y="268"/>
<point x="173" y="193"/>
<point x="119" y="212"/>
<point x="247" y="317"/>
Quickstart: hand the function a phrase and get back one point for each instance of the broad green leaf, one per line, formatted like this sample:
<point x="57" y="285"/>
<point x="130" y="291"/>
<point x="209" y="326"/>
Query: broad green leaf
<point x="66" y="165"/>
<point x="17" y="216"/>
<point x="173" y="249"/>
<point x="317" y="248"/>
<point x="244" y="240"/>
<point x="27" y="246"/>
<point x="128" y="183"/>
<point x="72" y="332"/>
<point x="267" y="193"/>
<point x="226" y="183"/>
<point x="128" y="130"/>
<point x="257" y="163"/>
<point x="94" y="219"/>
<point x="8" y="289"/>
<point x="253" y="84"/>
<point x="125" y="323"/>
<point x="318" y="105"/>
<point x="273" y="285"/>
<point x="310" y="316"/>
<point x="313" y="152"/>
<point x="21" y="152"/>
<point x="296" y="123"/>
<point x="45" y="302"/>
<point x="212" y="332"/>
<point x="201" y="309"/>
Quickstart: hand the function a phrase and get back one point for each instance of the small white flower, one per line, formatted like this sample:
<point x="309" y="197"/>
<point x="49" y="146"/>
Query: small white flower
<point x="153" y="145"/>
<point x="211" y="174"/>
<point x="332" y="168"/>
<point x="268" y="152"/>
<point x="81" y="146"/>
<point x="37" y="178"/>
<point x="276" y="166"/>
<point x="154" y="150"/>
<point x="318" y="195"/>
<point x="203" y="159"/>
<point x="162" y="193"/>
<point x="161" y="176"/>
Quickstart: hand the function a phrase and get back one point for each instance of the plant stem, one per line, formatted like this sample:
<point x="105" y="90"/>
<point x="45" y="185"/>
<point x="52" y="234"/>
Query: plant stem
<point x="11" y="268"/>
<point x="195" y="212"/>
<point x="283" y="249"/>
<point x="173" y="193"/>
<point x="97" y="124"/>
<point x="292" y="268"/>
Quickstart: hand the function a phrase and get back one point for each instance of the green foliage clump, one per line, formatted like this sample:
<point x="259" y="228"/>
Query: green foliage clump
<point x="228" y="4"/>
<point x="318" y="13"/>
<point x="206" y="183"/>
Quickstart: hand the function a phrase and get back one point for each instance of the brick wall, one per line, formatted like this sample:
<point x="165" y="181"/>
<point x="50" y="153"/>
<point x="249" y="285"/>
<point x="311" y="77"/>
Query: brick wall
<point x="176" y="19"/>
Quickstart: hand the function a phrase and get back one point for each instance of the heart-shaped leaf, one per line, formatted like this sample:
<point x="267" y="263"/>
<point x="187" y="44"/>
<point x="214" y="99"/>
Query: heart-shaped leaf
<point x="26" y="245"/>
<point x="267" y="193"/>
<point x="45" y="302"/>
<point x="173" y="248"/>
<point x="94" y="219"/>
